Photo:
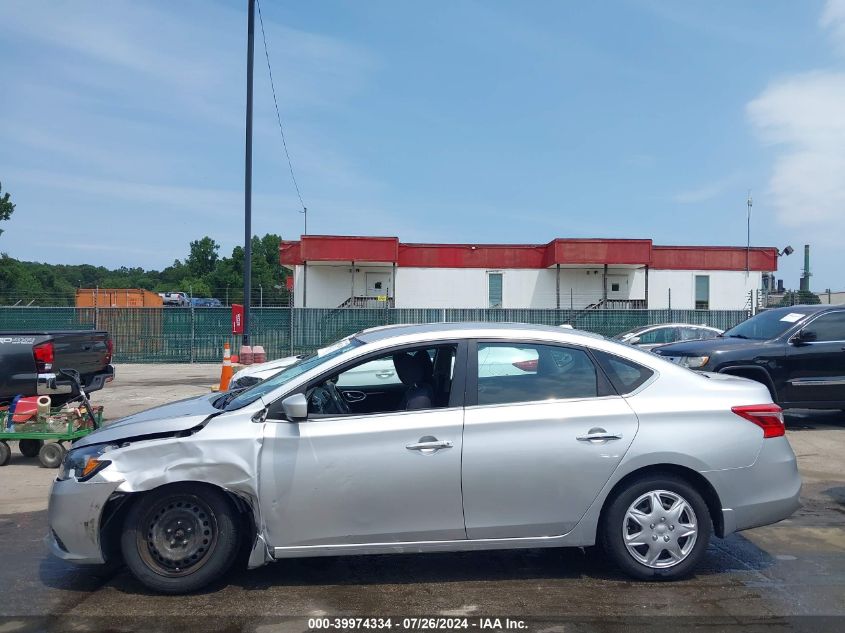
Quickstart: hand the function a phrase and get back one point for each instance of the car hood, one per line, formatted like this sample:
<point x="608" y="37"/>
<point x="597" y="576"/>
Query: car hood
<point x="706" y="347"/>
<point x="267" y="369"/>
<point x="169" y="418"/>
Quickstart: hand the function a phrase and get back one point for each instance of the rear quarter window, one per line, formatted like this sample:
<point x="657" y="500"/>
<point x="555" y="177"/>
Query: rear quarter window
<point x="625" y="375"/>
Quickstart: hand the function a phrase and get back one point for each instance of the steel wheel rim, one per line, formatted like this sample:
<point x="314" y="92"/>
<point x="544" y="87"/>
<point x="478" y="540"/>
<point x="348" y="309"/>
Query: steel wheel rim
<point x="178" y="536"/>
<point x="660" y="529"/>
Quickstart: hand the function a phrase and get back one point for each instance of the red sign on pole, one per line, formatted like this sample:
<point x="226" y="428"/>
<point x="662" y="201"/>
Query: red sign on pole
<point x="237" y="318"/>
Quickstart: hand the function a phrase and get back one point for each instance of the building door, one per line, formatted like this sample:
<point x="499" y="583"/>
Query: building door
<point x="378" y="284"/>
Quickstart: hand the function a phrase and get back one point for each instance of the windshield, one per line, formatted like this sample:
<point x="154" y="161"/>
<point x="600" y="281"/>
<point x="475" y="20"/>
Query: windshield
<point x="236" y="400"/>
<point x="766" y="325"/>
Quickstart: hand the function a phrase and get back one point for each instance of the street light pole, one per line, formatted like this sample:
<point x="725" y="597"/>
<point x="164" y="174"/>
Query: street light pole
<point x="748" y="235"/>
<point x="248" y="169"/>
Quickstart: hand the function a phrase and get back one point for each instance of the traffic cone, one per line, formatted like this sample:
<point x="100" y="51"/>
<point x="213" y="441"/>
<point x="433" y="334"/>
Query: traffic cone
<point x="226" y="370"/>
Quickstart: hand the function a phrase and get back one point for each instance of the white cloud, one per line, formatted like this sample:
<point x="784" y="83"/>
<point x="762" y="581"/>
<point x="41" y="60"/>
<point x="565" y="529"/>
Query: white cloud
<point x="802" y="117"/>
<point x="833" y="18"/>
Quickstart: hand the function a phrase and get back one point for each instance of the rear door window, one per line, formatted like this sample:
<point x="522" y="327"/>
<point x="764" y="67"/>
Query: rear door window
<point x="659" y="336"/>
<point x="510" y="373"/>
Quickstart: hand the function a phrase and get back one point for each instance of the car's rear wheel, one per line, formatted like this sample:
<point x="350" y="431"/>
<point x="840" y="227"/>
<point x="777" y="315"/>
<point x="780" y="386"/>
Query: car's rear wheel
<point x="179" y="538"/>
<point x="656" y="528"/>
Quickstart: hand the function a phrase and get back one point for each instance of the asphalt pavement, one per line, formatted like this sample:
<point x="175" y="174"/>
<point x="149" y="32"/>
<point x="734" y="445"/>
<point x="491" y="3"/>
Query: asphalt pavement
<point x="790" y="576"/>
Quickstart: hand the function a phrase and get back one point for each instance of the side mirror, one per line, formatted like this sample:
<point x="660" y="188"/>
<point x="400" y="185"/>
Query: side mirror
<point x="296" y="407"/>
<point x="634" y="340"/>
<point x="803" y="336"/>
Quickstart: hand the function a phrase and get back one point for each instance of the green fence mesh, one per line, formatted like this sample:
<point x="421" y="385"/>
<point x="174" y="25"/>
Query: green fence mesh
<point x="196" y="335"/>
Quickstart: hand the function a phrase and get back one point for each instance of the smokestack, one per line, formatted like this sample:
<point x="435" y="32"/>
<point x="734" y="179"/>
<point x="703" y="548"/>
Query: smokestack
<point x="805" y="277"/>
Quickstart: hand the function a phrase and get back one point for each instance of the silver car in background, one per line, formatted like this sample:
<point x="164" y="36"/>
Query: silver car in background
<point x="495" y="436"/>
<point x="651" y="336"/>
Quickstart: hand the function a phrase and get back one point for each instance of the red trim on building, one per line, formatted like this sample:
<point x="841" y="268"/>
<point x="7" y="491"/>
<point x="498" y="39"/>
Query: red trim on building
<point x="586" y="252"/>
<point x="471" y="256"/>
<point x="289" y="253"/>
<point x="713" y="258"/>
<point x="598" y="251"/>
<point x="343" y="248"/>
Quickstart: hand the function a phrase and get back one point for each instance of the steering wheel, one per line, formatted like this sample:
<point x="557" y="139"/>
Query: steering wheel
<point x="327" y="400"/>
<point x="318" y="401"/>
<point x="339" y="400"/>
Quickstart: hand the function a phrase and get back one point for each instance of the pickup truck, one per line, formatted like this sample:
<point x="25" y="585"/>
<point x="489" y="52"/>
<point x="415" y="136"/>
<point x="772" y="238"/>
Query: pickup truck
<point x="29" y="362"/>
<point x="798" y="352"/>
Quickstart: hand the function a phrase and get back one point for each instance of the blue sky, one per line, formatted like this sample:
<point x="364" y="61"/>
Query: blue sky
<point x="121" y="124"/>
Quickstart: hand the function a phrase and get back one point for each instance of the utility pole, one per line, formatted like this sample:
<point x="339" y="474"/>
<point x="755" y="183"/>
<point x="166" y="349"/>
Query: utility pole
<point x="304" y="212"/>
<point x="748" y="234"/>
<point x="248" y="169"/>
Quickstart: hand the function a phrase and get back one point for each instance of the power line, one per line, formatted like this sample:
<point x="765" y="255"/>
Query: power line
<point x="278" y="115"/>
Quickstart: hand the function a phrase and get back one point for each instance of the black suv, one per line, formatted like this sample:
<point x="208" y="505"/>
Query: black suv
<point x="797" y="352"/>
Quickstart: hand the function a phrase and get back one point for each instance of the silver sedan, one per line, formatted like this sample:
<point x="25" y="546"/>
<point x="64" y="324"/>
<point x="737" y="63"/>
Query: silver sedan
<point x="495" y="436"/>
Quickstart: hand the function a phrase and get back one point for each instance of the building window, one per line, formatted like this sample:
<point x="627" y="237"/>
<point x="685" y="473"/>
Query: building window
<point x="494" y="289"/>
<point x="702" y="292"/>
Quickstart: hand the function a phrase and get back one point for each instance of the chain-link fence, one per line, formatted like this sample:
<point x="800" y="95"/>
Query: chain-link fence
<point x="196" y="335"/>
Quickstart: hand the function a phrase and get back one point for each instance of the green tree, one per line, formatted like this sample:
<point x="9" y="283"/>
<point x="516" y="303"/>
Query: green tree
<point x="7" y="207"/>
<point x="203" y="257"/>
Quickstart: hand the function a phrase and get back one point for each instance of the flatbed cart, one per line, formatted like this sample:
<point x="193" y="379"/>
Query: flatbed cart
<point x="42" y="439"/>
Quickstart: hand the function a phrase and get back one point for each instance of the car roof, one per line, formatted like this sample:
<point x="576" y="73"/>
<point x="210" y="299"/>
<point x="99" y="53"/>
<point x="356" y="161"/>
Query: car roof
<point x="464" y="329"/>
<point x="803" y="308"/>
<point x="653" y="325"/>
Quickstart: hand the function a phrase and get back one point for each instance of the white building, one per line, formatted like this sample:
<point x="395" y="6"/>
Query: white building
<point x="346" y="271"/>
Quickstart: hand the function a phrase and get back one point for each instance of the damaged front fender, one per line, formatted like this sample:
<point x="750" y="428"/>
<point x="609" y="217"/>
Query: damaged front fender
<point x="224" y="453"/>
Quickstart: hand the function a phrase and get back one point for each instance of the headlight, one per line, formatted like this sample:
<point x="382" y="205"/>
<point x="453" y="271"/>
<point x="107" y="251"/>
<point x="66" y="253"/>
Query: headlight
<point x="692" y="362"/>
<point x="84" y="463"/>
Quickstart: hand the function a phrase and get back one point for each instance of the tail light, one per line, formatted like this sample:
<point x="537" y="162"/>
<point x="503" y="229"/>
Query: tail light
<point x="768" y="417"/>
<point x="44" y="354"/>
<point x="526" y="365"/>
<point x="109" y="349"/>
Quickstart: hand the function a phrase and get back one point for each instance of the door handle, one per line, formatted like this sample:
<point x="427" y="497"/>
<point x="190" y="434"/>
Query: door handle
<point x="354" y="396"/>
<point x="429" y="445"/>
<point x="598" y="436"/>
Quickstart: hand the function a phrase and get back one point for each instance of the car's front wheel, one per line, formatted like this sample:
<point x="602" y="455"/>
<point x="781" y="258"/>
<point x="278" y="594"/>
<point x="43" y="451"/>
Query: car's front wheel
<point x="656" y="528"/>
<point x="181" y="537"/>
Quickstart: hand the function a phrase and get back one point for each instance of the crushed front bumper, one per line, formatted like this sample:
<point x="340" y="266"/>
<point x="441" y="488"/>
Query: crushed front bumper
<point x="74" y="516"/>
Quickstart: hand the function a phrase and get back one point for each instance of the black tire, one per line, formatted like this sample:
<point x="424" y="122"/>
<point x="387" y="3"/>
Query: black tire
<point x="30" y="448"/>
<point x="179" y="538"/>
<point x="51" y="455"/>
<point x="658" y="539"/>
<point x="5" y="453"/>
